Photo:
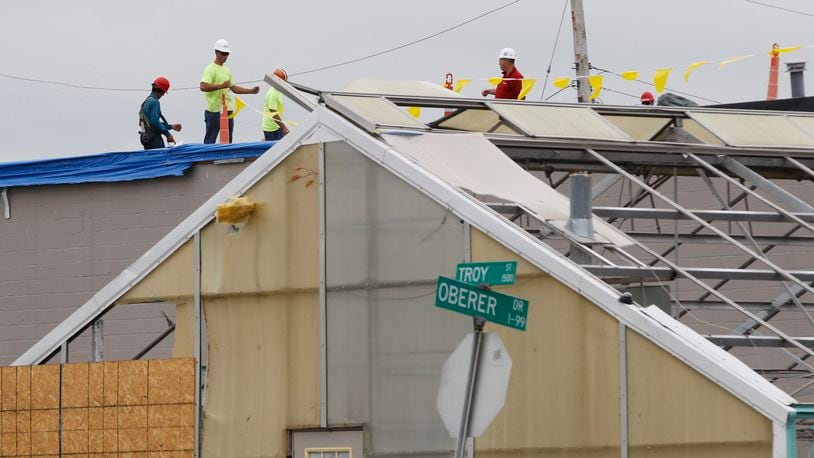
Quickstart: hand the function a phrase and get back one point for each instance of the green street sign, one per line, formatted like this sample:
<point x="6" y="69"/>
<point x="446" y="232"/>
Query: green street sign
<point x="490" y="273"/>
<point x="492" y="306"/>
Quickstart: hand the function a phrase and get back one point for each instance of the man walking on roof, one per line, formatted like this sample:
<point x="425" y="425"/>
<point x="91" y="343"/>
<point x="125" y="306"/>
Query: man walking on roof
<point x="273" y="126"/>
<point x="215" y="82"/>
<point x="151" y="121"/>
<point x="511" y="85"/>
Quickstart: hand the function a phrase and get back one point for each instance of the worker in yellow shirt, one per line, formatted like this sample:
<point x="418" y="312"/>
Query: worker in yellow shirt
<point x="273" y="126"/>
<point x="217" y="81"/>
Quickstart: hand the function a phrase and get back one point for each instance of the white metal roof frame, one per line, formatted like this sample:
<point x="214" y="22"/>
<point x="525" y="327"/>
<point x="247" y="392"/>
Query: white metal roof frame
<point x="324" y="123"/>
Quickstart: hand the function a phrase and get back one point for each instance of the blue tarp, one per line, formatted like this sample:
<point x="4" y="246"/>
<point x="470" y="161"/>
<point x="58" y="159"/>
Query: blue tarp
<point x="123" y="166"/>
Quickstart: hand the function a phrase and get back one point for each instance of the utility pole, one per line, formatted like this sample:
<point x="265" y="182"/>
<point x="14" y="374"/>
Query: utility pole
<point x="580" y="52"/>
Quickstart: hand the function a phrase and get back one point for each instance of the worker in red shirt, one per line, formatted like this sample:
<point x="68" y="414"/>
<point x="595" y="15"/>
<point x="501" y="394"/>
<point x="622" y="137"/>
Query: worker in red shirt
<point x="511" y="86"/>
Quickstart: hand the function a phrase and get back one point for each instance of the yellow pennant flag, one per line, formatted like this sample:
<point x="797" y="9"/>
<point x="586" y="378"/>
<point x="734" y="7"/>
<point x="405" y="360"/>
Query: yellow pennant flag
<point x="596" y="85"/>
<point x="731" y="60"/>
<point x="788" y="49"/>
<point x="414" y="111"/>
<point x="660" y="78"/>
<point x="630" y="76"/>
<point x="495" y="81"/>
<point x="562" y="82"/>
<point x="460" y="84"/>
<point x="693" y="66"/>
<point x="527" y="85"/>
<point x="239" y="104"/>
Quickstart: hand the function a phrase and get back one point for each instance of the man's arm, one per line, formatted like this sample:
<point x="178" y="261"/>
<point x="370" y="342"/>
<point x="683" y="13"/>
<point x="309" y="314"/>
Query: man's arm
<point x="152" y="112"/>
<point x="209" y="87"/>
<point x="244" y="90"/>
<point x="280" y="123"/>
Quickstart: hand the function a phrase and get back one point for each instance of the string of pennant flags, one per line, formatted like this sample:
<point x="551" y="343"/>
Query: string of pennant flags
<point x="660" y="75"/>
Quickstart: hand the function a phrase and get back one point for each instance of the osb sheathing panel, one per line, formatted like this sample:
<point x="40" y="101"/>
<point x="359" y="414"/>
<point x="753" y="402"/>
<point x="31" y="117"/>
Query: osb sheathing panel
<point x="263" y="372"/>
<point x="112" y="408"/>
<point x="277" y="250"/>
<point x="675" y="411"/>
<point x="171" y="280"/>
<point x="45" y="387"/>
<point x="563" y="397"/>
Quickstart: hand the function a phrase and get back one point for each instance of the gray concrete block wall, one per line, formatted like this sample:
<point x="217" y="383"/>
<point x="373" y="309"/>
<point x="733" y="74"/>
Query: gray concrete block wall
<point x="65" y="242"/>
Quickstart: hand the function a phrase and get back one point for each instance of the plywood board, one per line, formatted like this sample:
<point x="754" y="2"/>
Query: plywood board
<point x="111" y="383"/>
<point x="45" y="387"/>
<point x="45" y="443"/>
<point x="96" y="385"/>
<point x="23" y="387"/>
<point x="132" y="378"/>
<point x="9" y="388"/>
<point x="171" y="381"/>
<point x="75" y="385"/>
<point x="162" y="416"/>
<point x="45" y="420"/>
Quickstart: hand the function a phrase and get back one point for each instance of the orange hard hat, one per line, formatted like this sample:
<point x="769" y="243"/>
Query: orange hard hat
<point x="647" y="98"/>
<point x="162" y="83"/>
<point x="280" y="73"/>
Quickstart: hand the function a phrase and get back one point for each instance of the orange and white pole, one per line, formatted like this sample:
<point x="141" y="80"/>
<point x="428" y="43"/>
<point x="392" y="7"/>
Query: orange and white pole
<point x="224" y="120"/>
<point x="774" y="67"/>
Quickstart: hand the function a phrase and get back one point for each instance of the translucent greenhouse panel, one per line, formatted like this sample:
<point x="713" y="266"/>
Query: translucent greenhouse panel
<point x="754" y="129"/>
<point x="640" y="128"/>
<point x="387" y="342"/>
<point x="372" y="111"/>
<point x="477" y="121"/>
<point x="559" y="122"/>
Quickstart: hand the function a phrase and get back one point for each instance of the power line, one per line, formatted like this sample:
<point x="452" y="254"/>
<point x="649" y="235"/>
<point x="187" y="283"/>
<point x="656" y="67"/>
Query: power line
<point x="402" y="46"/>
<point x="604" y="70"/>
<point x="789" y="10"/>
<point x="552" y="95"/>
<point x="313" y="70"/>
<point x="554" y="49"/>
<point x="605" y="88"/>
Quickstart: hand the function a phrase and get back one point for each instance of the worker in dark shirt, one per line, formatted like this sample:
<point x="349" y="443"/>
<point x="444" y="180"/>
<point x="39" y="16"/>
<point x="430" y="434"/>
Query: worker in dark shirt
<point x="152" y="123"/>
<point x="511" y="85"/>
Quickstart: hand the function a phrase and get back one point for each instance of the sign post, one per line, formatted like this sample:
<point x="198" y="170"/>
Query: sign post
<point x="470" y="293"/>
<point x="471" y="379"/>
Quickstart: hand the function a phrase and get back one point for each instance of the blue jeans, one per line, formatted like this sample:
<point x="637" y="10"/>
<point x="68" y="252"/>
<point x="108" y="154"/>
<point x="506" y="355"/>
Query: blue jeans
<point x="212" y="121"/>
<point x="271" y="136"/>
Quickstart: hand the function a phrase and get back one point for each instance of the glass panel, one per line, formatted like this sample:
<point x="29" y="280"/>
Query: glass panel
<point x="387" y="342"/>
<point x="378" y="111"/>
<point x="754" y="130"/>
<point x="314" y="454"/>
<point x="804" y="122"/>
<point x="343" y="455"/>
<point x="328" y="455"/>
<point x="642" y="128"/>
<point x="701" y="133"/>
<point x="562" y="122"/>
<point x="477" y="121"/>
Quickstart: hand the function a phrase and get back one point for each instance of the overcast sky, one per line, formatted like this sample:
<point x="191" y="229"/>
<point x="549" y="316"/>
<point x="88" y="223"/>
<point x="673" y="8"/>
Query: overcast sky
<point x="125" y="44"/>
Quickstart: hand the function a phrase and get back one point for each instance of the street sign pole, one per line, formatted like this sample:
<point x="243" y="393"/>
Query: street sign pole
<point x="471" y="380"/>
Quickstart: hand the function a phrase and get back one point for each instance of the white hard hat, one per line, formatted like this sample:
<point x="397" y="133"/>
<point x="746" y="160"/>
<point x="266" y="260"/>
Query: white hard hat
<point x="507" y="53"/>
<point x="222" y="46"/>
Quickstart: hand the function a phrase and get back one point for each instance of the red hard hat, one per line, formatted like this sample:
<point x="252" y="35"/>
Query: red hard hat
<point x="647" y="96"/>
<point x="162" y="83"/>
